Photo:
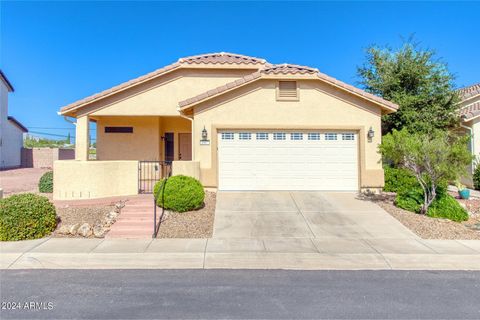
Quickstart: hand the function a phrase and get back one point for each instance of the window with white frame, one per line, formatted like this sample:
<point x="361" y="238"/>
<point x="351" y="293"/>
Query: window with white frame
<point x="245" y="136"/>
<point x="296" y="136"/>
<point x="262" y="136"/>
<point x="227" y="136"/>
<point x="330" y="136"/>
<point x="313" y="136"/>
<point x="348" y="136"/>
<point x="279" y="136"/>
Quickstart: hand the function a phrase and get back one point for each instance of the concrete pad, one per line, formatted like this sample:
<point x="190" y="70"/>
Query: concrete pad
<point x="177" y="245"/>
<point x="67" y="245"/>
<point x="328" y="218"/>
<point x="235" y="245"/>
<point x="295" y="261"/>
<point x="393" y="231"/>
<point x="349" y="202"/>
<point x="313" y="201"/>
<point x="448" y="247"/>
<point x="110" y="261"/>
<point x="6" y="259"/>
<point x="474" y="244"/>
<point x="301" y="245"/>
<point x="261" y="225"/>
<point x="399" y="246"/>
<point x="20" y="246"/>
<point x="122" y="246"/>
<point x="345" y="232"/>
<point x="343" y="246"/>
<point x="254" y="202"/>
<point x="433" y="262"/>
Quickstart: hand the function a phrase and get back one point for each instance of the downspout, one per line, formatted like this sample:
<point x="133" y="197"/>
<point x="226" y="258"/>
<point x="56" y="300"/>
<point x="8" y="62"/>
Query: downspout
<point x="192" y="128"/>
<point x="472" y="144"/>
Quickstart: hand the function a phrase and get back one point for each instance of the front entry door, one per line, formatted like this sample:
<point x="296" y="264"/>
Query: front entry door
<point x="169" y="146"/>
<point x="185" y="146"/>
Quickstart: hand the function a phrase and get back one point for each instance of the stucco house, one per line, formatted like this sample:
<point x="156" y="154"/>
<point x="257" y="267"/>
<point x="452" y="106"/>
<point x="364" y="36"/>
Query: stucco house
<point x="234" y="122"/>
<point x="11" y="130"/>
<point x="470" y="118"/>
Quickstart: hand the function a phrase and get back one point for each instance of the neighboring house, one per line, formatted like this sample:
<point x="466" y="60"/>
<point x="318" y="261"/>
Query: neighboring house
<point x="234" y="122"/>
<point x="470" y="117"/>
<point x="11" y="130"/>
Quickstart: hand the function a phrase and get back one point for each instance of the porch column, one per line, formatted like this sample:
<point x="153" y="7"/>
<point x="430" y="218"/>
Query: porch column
<point x="82" y="138"/>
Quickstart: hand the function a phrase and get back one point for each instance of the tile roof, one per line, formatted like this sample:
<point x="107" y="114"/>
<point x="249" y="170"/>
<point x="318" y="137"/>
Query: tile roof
<point x="5" y="80"/>
<point x="471" y="111"/>
<point x="17" y="123"/>
<point x="286" y="69"/>
<point x="469" y="91"/>
<point x="221" y="58"/>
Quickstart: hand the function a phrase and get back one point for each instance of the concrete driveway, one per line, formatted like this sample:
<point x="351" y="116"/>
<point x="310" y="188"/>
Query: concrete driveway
<point x="303" y="215"/>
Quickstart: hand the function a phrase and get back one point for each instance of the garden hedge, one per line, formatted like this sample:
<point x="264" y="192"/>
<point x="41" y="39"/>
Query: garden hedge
<point x="45" y="185"/>
<point x="179" y="193"/>
<point x="398" y="179"/>
<point x="476" y="178"/>
<point x="26" y="216"/>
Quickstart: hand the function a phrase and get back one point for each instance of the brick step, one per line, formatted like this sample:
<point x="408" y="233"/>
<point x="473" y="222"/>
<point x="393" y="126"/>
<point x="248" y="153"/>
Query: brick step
<point x="134" y="224"/>
<point x="129" y="234"/>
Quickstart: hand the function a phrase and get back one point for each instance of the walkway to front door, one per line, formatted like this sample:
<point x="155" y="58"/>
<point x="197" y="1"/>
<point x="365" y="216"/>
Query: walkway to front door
<point x="303" y="215"/>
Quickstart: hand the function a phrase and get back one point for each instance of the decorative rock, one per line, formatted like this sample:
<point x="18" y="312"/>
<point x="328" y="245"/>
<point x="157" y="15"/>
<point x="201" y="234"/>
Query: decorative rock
<point x="112" y="215"/>
<point x="64" y="229"/>
<point x="85" y="230"/>
<point x="98" y="231"/>
<point x="119" y="206"/>
<point x="74" y="229"/>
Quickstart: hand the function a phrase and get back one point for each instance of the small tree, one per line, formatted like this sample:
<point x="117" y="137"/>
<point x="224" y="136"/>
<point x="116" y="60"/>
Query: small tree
<point x="433" y="158"/>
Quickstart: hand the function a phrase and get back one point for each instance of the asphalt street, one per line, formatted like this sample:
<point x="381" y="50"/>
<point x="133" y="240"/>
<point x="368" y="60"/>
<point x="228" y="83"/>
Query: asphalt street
<point x="238" y="294"/>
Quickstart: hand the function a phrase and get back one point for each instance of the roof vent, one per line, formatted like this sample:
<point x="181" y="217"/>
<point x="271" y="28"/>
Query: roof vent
<point x="287" y="90"/>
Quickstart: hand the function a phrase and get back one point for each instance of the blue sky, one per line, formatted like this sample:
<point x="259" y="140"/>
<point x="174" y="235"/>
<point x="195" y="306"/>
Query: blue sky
<point x="55" y="53"/>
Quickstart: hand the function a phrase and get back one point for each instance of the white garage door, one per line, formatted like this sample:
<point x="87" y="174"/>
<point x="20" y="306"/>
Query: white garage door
<point x="287" y="160"/>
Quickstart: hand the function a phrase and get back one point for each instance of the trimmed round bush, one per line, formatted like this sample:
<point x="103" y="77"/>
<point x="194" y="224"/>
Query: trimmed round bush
<point x="45" y="185"/>
<point x="179" y="193"/>
<point x="26" y="216"/>
<point x="398" y="179"/>
<point x="476" y="178"/>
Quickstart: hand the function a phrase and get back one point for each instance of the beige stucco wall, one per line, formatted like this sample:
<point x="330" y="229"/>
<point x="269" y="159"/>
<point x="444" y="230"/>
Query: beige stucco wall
<point x="144" y="143"/>
<point x="186" y="168"/>
<point x="475" y="140"/>
<point x="320" y="107"/>
<point x="73" y="179"/>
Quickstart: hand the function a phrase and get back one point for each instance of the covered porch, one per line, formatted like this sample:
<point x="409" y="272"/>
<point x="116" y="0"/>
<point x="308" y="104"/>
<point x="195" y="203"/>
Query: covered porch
<point x="132" y="153"/>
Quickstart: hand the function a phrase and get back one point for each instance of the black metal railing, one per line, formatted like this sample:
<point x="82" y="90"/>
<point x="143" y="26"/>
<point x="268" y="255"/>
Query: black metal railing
<point x="149" y="172"/>
<point x="156" y="224"/>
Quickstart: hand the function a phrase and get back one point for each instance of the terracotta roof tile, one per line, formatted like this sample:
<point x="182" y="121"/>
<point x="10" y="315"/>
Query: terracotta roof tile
<point x="469" y="91"/>
<point x="470" y="111"/>
<point x="221" y="58"/>
<point x="286" y="68"/>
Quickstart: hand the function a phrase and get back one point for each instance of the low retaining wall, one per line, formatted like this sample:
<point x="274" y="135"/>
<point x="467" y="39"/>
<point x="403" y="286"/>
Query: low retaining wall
<point x="44" y="157"/>
<point x="73" y="179"/>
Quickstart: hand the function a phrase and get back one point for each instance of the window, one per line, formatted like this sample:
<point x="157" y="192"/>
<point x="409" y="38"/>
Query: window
<point x="348" y="136"/>
<point x="279" y="136"/>
<point x="262" y="136"/>
<point x="245" y="136"/>
<point x="227" y="136"/>
<point x="330" y="136"/>
<point x="118" y="129"/>
<point x="296" y="136"/>
<point x="287" y="90"/>
<point x="314" y="136"/>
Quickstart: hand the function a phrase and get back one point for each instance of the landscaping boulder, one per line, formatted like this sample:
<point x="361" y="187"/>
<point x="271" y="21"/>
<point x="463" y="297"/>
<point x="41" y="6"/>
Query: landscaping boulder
<point x="85" y="230"/>
<point x="74" y="229"/>
<point x="64" y="229"/>
<point x="99" y="231"/>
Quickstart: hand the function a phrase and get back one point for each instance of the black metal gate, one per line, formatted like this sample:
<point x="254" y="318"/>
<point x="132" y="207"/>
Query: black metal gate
<point x="149" y="172"/>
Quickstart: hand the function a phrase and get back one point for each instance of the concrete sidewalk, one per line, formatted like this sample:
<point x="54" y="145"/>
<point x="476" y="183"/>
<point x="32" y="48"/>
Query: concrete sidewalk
<point x="293" y="253"/>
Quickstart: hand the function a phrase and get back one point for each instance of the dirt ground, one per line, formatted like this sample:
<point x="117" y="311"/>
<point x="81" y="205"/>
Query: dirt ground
<point x="21" y="180"/>
<point x="430" y="228"/>
<point x="191" y="224"/>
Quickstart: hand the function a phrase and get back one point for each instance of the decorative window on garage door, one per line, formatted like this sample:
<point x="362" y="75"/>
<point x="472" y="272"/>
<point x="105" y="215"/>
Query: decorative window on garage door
<point x="262" y="136"/>
<point x="227" y="135"/>
<point x="296" y="136"/>
<point x="348" y="136"/>
<point x="279" y="136"/>
<point x="330" y="136"/>
<point x="313" y="136"/>
<point x="245" y="136"/>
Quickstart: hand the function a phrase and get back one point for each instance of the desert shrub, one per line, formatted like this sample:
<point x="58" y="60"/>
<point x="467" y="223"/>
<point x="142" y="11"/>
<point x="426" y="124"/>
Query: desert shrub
<point x="26" y="216"/>
<point x="476" y="178"/>
<point x="179" y="193"/>
<point x="445" y="206"/>
<point x="397" y="179"/>
<point x="45" y="185"/>
<point x="410" y="199"/>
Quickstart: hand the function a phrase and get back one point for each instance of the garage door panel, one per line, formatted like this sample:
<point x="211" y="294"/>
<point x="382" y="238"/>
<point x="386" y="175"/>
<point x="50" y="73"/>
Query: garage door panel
<point x="288" y="164"/>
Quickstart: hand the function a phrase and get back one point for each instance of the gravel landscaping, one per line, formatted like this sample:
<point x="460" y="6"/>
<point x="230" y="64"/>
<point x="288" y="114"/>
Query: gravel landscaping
<point x="190" y="224"/>
<point x="434" y="228"/>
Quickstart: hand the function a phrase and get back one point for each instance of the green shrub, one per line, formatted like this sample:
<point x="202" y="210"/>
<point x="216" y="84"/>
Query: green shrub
<point x="476" y="178"/>
<point x="397" y="179"/>
<point x="445" y="206"/>
<point x="45" y="185"/>
<point x="26" y="216"/>
<point x="179" y="193"/>
<point x="410" y="199"/>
